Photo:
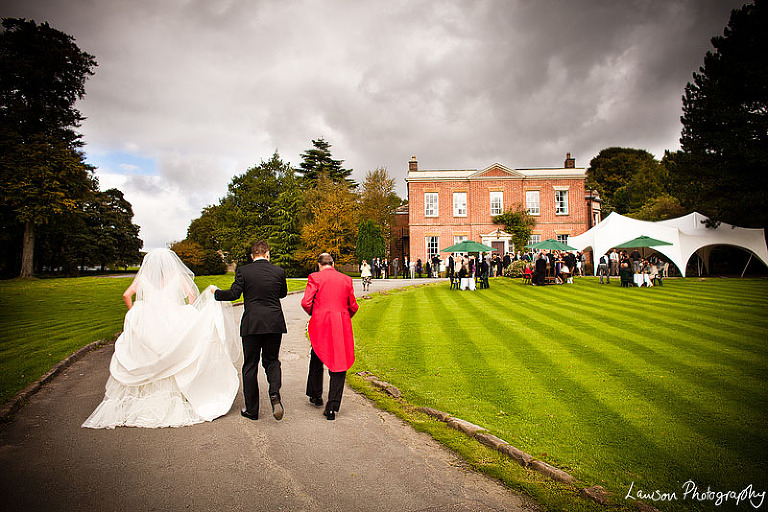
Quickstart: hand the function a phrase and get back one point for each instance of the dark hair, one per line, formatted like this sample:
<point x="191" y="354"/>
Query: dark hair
<point x="259" y="248"/>
<point x="325" y="259"/>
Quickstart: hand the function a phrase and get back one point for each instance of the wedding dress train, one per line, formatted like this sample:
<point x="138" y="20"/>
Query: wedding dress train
<point x="174" y="363"/>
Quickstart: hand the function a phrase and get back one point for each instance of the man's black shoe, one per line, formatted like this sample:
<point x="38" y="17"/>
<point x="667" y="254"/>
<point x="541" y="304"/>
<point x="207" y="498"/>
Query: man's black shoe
<point x="277" y="407"/>
<point x="329" y="415"/>
<point x="318" y="401"/>
<point x="248" y="415"/>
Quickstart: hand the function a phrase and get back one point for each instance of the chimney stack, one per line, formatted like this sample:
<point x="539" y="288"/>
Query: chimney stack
<point x="413" y="165"/>
<point x="570" y="163"/>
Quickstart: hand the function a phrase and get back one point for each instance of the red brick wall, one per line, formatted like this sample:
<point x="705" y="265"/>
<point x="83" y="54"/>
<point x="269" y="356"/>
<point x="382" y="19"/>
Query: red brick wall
<point x="478" y="220"/>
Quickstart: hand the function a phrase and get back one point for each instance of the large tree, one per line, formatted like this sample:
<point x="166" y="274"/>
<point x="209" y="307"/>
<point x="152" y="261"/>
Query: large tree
<point x="626" y="178"/>
<point x="333" y="225"/>
<point x="723" y="167"/>
<point x="285" y="235"/>
<point x="42" y="174"/>
<point x="246" y="210"/>
<point x="378" y="200"/>
<point x="317" y="161"/>
<point x="370" y="241"/>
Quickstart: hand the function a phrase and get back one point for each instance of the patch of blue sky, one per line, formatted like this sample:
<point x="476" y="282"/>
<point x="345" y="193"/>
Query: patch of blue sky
<point x="118" y="162"/>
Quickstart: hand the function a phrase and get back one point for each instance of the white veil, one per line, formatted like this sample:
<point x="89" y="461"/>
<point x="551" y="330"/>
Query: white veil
<point x="164" y="276"/>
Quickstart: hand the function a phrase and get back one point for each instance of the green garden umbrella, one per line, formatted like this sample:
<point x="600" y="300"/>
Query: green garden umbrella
<point x="468" y="246"/>
<point x="641" y="241"/>
<point x="551" y="244"/>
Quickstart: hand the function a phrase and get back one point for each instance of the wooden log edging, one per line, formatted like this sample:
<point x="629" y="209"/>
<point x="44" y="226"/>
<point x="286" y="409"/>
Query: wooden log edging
<point x="483" y="436"/>
<point x="23" y="396"/>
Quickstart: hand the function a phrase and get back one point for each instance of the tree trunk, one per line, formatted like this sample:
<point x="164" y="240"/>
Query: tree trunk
<point x="28" y="250"/>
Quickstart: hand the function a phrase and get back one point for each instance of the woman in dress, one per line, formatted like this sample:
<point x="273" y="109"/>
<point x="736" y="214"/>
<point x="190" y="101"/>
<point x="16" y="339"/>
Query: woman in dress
<point x="365" y="274"/>
<point x="174" y="363"/>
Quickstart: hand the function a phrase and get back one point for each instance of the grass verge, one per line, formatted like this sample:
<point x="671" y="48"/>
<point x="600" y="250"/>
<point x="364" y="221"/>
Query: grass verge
<point x="42" y="321"/>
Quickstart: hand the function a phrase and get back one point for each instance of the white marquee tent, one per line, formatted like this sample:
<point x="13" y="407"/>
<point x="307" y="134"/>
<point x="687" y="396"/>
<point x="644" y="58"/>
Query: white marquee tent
<point x="688" y="235"/>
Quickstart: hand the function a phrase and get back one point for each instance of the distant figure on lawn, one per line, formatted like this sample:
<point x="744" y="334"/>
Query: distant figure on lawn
<point x="330" y="301"/>
<point x="172" y="366"/>
<point x="603" y="269"/>
<point x="365" y="275"/>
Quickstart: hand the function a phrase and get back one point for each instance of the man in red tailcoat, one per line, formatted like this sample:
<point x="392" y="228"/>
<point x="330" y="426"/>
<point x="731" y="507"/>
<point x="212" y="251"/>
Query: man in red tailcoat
<point x="329" y="299"/>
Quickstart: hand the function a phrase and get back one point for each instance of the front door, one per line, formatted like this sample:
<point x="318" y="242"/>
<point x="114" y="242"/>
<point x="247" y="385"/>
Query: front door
<point x="498" y="248"/>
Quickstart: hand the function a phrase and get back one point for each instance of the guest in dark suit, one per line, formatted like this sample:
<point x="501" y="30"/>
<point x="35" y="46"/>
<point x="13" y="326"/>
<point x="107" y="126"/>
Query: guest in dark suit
<point x="329" y="299"/>
<point x="262" y="285"/>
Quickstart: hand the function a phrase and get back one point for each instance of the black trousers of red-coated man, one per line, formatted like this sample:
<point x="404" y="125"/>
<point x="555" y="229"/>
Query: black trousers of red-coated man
<point x="315" y="383"/>
<point x="267" y="348"/>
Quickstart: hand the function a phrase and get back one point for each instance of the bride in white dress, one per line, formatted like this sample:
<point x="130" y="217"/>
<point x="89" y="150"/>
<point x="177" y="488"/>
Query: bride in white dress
<point x="174" y="363"/>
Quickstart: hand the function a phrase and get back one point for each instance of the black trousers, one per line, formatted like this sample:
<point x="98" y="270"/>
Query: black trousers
<point x="315" y="383"/>
<point x="266" y="347"/>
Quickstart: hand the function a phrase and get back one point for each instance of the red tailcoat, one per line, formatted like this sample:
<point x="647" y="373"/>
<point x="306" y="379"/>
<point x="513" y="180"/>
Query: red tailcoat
<point x="330" y="300"/>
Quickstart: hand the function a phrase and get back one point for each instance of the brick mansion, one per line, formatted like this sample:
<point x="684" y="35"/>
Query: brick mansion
<point x="448" y="206"/>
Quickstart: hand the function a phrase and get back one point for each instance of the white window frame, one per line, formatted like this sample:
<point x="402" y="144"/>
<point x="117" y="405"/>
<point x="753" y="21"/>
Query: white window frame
<point x="562" y="238"/>
<point x="435" y="241"/>
<point x="431" y="204"/>
<point x="534" y="239"/>
<point x="460" y="204"/>
<point x="561" y="201"/>
<point x="533" y="207"/>
<point x="497" y="197"/>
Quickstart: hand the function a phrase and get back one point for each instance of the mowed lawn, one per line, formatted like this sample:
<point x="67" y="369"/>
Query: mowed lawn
<point x="42" y="321"/>
<point x="616" y="385"/>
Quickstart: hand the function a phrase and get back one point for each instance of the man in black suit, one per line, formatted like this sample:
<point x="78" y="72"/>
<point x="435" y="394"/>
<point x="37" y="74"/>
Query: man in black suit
<point x="262" y="285"/>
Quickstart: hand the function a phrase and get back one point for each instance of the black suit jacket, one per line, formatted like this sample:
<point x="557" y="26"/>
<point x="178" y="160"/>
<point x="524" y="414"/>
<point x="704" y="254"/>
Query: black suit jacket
<point x="262" y="285"/>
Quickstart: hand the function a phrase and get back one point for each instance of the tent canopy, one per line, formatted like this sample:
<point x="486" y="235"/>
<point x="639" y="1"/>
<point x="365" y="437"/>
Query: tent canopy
<point x="687" y="235"/>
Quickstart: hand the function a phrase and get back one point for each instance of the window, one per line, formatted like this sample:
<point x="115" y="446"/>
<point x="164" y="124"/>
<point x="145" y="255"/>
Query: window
<point x="562" y="238"/>
<point x="430" y="204"/>
<point x="561" y="202"/>
<point x="497" y="203"/>
<point x="459" y="204"/>
<point x="433" y="246"/>
<point x="532" y="202"/>
<point x="534" y="239"/>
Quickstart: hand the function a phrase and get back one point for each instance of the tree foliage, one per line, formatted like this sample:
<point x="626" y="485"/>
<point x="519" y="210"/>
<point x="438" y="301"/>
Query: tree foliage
<point x="245" y="213"/>
<point x="199" y="260"/>
<point x="318" y="161"/>
<point x="378" y="200"/>
<point x="333" y="224"/>
<point x="626" y="179"/>
<point x="722" y="168"/>
<point x="42" y="174"/>
<point x="370" y="241"/>
<point x="285" y="237"/>
<point x="517" y="222"/>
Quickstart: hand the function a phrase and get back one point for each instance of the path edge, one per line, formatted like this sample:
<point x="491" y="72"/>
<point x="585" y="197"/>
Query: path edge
<point x="12" y="406"/>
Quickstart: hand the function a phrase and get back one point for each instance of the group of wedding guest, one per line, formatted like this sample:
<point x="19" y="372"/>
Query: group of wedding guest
<point x="631" y="268"/>
<point x="554" y="267"/>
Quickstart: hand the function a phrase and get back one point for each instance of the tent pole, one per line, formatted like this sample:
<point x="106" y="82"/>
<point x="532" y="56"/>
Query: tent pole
<point x="745" y="266"/>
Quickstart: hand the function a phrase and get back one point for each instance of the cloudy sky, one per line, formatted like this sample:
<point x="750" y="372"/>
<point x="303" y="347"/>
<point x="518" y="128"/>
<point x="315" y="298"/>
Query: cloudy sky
<point x="189" y="93"/>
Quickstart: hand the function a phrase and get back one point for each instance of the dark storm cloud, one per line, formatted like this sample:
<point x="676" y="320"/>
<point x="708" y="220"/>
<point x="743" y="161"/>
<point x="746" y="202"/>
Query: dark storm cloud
<point x="209" y="88"/>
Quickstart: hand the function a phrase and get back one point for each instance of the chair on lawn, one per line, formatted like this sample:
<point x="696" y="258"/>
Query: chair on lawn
<point x="454" y="282"/>
<point x="527" y="275"/>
